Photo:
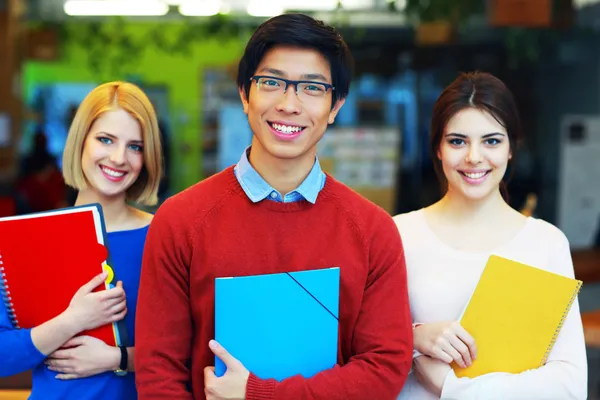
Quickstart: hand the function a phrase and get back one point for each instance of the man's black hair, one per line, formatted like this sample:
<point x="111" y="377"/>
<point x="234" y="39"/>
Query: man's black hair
<point x="301" y="31"/>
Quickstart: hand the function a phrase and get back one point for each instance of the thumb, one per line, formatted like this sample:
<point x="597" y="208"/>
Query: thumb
<point x="74" y="342"/>
<point x="219" y="351"/>
<point x="120" y="284"/>
<point x="94" y="283"/>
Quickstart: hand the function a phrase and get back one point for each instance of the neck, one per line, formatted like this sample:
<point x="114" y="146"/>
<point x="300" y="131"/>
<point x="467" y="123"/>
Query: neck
<point x="115" y="209"/>
<point x="461" y="210"/>
<point x="284" y="175"/>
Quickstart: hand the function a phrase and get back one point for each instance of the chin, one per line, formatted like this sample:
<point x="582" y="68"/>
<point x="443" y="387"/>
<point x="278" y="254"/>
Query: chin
<point x="109" y="192"/>
<point x="289" y="150"/>
<point x="476" y="194"/>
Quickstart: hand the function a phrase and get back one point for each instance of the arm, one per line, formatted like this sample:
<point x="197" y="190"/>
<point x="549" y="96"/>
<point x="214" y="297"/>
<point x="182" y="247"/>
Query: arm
<point x="17" y="350"/>
<point x="563" y="377"/>
<point x="382" y="343"/>
<point x="163" y="316"/>
<point x="26" y="348"/>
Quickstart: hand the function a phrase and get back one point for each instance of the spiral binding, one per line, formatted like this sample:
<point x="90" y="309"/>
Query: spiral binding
<point x="5" y="293"/>
<point x="560" y="324"/>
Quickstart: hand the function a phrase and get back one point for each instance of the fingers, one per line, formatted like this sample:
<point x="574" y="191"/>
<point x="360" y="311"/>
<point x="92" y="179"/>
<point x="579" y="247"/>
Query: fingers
<point x="463" y="350"/>
<point x="219" y="351"/>
<point x="63" y="365"/>
<point x="451" y="347"/>
<point x="209" y="381"/>
<point x="74" y="342"/>
<point x="467" y="339"/>
<point x="439" y="352"/>
<point x="119" y="316"/>
<point x="116" y="305"/>
<point x="94" y="283"/>
<point x="115" y="293"/>
<point x="457" y="357"/>
<point x="60" y="355"/>
<point x="66" y="377"/>
<point x="209" y="373"/>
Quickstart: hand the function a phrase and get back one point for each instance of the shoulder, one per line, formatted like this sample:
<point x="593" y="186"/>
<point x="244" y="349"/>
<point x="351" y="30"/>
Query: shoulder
<point x="199" y="199"/>
<point x="407" y="220"/>
<point x="544" y="231"/>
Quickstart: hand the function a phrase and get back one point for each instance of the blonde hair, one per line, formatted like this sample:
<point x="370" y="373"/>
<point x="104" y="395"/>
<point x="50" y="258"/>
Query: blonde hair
<point x="108" y="97"/>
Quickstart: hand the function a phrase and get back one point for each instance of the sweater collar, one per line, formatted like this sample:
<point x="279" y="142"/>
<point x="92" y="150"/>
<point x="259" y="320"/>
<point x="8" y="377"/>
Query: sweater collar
<point x="257" y="189"/>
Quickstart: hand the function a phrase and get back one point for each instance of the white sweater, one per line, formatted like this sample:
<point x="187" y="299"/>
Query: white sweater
<point x="440" y="282"/>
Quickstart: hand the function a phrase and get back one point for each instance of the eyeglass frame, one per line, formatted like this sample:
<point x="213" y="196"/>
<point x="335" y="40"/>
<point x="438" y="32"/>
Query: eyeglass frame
<point x="289" y="82"/>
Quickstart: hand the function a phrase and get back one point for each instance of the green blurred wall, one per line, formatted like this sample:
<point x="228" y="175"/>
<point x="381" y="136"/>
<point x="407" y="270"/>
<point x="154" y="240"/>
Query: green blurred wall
<point x="181" y="75"/>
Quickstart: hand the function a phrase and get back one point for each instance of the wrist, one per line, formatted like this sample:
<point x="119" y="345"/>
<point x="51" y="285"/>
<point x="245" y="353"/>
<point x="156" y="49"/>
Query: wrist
<point x="416" y="331"/>
<point x="114" y="358"/>
<point x="69" y="324"/>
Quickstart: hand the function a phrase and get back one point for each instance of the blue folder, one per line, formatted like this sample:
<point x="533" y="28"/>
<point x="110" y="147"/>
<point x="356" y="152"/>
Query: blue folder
<point x="279" y="325"/>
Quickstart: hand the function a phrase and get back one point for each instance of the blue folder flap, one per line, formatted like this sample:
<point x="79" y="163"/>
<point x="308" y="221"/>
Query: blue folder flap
<point x="279" y="325"/>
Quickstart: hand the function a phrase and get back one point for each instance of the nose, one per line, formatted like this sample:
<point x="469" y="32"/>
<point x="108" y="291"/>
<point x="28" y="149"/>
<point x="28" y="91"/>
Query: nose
<point x="289" y="102"/>
<point x="118" y="155"/>
<point x="474" y="155"/>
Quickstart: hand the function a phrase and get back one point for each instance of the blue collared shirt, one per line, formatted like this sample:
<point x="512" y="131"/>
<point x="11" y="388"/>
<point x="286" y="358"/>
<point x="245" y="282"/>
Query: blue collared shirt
<point x="257" y="189"/>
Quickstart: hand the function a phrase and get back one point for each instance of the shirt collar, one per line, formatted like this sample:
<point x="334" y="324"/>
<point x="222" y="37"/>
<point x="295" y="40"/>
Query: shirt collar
<point x="257" y="189"/>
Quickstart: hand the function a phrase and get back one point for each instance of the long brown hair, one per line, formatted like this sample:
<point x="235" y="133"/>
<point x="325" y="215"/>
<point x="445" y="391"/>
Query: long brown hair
<point x="484" y="92"/>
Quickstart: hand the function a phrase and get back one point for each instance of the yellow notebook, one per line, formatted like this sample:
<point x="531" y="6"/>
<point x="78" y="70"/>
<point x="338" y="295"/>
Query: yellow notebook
<point x="515" y="315"/>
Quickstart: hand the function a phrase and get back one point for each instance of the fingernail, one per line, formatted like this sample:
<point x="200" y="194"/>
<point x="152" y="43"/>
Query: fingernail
<point x="213" y="345"/>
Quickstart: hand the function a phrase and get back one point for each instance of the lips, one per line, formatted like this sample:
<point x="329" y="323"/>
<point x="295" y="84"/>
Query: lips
<point x="475" y="177"/>
<point x="112" y="174"/>
<point x="286" y="131"/>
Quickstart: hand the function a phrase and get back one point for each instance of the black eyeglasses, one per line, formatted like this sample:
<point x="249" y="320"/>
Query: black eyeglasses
<point x="304" y="89"/>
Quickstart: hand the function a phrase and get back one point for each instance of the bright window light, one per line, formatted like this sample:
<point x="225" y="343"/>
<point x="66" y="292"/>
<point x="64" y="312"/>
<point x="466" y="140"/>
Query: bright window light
<point x="357" y="4"/>
<point x="264" y="8"/>
<point x="201" y="7"/>
<point x="115" y="7"/>
<point x="312" y="5"/>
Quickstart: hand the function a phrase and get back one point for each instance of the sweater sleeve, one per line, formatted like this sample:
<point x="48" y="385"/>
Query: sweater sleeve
<point x="17" y="351"/>
<point x="382" y="341"/>
<point x="163" y="316"/>
<point x="564" y="376"/>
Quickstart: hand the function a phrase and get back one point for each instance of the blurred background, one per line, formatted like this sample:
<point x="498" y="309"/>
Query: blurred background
<point x="184" y="54"/>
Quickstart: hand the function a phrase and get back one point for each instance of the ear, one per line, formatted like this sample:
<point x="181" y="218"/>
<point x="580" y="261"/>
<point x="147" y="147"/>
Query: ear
<point x="510" y="154"/>
<point x="244" y="99"/>
<point x="439" y="155"/>
<point x="334" y="111"/>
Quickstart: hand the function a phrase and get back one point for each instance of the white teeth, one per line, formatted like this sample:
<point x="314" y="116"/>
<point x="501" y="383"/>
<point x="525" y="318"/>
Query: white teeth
<point x="474" y="175"/>
<point x="287" y="128"/>
<point x="113" y="173"/>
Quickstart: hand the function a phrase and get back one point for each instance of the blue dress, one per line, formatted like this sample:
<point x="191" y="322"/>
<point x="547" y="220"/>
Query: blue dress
<point x="18" y="354"/>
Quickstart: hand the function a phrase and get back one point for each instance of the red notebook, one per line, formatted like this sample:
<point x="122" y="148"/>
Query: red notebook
<point x="46" y="257"/>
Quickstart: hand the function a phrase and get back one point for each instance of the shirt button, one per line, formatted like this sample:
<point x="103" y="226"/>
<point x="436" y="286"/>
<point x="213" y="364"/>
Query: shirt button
<point x="273" y="195"/>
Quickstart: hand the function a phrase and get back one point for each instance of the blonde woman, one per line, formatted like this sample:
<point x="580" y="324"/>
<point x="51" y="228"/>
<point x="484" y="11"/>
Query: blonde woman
<point x="112" y="157"/>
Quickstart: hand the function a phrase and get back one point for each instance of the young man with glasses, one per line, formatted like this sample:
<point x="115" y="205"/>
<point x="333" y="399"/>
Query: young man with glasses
<point x="275" y="211"/>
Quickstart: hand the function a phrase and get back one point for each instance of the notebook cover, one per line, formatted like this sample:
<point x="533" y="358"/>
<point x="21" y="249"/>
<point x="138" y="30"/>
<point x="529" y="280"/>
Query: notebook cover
<point x="279" y="325"/>
<point x="515" y="315"/>
<point x="46" y="257"/>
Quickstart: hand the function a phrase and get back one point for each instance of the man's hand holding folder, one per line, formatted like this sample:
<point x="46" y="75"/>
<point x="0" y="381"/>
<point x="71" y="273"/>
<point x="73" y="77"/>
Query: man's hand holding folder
<point x="232" y="385"/>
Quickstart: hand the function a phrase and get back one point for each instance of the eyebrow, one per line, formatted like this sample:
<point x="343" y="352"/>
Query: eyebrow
<point x="278" y="72"/>
<point x="486" y="136"/>
<point x="114" y="137"/>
